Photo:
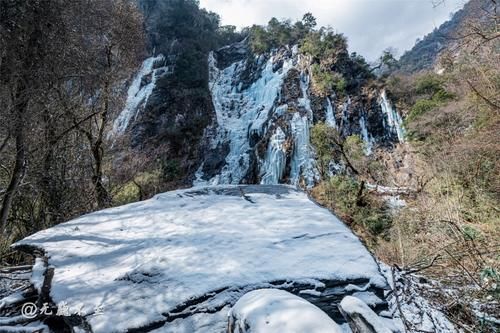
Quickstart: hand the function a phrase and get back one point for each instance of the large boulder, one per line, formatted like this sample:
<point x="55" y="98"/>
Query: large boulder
<point x="274" y="310"/>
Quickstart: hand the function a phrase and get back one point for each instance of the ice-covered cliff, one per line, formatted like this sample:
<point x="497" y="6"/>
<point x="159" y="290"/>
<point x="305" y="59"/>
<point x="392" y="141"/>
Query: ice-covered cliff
<point x="265" y="109"/>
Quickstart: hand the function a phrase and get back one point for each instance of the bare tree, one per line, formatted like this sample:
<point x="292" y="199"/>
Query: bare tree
<point x="62" y="72"/>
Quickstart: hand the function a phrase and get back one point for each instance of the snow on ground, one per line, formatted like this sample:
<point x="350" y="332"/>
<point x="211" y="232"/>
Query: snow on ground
<point x="414" y="312"/>
<point x="129" y="266"/>
<point x="273" y="310"/>
<point x="37" y="276"/>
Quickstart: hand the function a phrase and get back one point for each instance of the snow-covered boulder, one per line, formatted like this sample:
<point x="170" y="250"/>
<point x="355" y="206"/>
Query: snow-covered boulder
<point x="179" y="261"/>
<point x="274" y="310"/>
<point x="361" y="318"/>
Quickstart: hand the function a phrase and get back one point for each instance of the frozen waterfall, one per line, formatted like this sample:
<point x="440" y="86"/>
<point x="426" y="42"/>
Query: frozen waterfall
<point x="303" y="162"/>
<point x="395" y="122"/>
<point x="330" y="114"/>
<point x="138" y="93"/>
<point x="365" y="135"/>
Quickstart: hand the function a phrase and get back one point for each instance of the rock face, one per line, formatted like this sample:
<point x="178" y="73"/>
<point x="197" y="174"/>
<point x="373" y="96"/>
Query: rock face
<point x="179" y="261"/>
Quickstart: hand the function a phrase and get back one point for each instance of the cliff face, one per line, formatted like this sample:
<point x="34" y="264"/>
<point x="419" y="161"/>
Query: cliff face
<point x="169" y="103"/>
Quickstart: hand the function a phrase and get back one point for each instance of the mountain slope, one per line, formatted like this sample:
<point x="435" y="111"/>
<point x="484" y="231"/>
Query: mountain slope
<point x="426" y="52"/>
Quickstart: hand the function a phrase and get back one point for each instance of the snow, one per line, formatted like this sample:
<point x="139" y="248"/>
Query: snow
<point x="395" y="122"/>
<point x="395" y="202"/>
<point x="352" y="305"/>
<point x="11" y="299"/>
<point x="368" y="298"/>
<point x="139" y="93"/>
<point x="25" y="329"/>
<point x="140" y="261"/>
<point x="272" y="311"/>
<point x="406" y="302"/>
<point x="388" y="189"/>
<point x="311" y="292"/>
<point x="37" y="275"/>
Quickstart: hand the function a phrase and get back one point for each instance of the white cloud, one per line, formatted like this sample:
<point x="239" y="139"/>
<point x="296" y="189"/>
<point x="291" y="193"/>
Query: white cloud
<point x="370" y="25"/>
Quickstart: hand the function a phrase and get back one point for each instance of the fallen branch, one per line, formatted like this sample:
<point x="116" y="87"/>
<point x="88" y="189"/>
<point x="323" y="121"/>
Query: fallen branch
<point x="429" y="265"/>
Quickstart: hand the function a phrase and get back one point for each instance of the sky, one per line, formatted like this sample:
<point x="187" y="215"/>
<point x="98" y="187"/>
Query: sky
<point x="371" y="26"/>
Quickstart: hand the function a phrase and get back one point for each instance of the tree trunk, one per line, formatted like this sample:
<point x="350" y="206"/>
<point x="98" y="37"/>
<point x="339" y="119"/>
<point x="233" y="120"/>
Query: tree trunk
<point x="101" y="192"/>
<point x="103" y="199"/>
<point x="18" y="172"/>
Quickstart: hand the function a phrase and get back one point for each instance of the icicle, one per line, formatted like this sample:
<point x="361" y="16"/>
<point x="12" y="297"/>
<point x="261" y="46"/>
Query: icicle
<point x="330" y="114"/>
<point x="395" y="122"/>
<point x="275" y="162"/>
<point x="367" y="138"/>
<point x="345" y="109"/>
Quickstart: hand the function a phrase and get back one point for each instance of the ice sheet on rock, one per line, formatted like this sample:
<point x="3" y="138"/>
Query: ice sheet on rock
<point x="345" y="111"/>
<point x="273" y="310"/>
<point x="142" y="260"/>
<point x="303" y="163"/>
<point x="394" y="120"/>
<point x="138" y="93"/>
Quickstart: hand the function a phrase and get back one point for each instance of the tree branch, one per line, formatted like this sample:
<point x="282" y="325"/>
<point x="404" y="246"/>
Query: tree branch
<point x="488" y="101"/>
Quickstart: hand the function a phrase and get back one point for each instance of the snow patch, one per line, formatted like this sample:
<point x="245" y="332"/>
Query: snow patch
<point x="38" y="274"/>
<point x="352" y="305"/>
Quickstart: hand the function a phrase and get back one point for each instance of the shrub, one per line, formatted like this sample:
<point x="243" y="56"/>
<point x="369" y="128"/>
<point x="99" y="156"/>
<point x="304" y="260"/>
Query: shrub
<point x="326" y="80"/>
<point x="325" y="140"/>
<point x="366" y="214"/>
<point x="429" y="83"/>
<point x="421" y="107"/>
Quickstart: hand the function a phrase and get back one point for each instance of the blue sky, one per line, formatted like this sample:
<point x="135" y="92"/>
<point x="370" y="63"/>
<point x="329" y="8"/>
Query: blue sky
<point x="370" y="25"/>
